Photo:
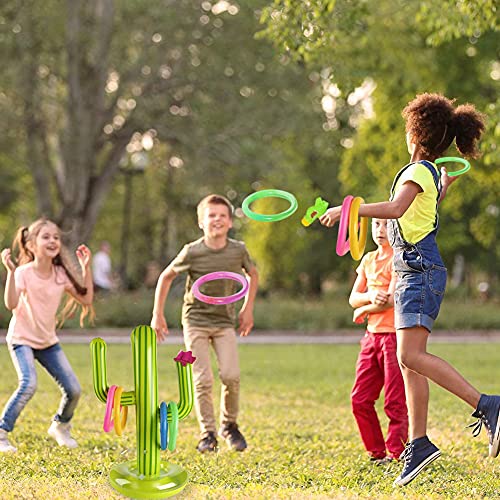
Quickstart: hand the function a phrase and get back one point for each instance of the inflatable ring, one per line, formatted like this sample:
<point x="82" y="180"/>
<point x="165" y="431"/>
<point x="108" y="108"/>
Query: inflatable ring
<point x="453" y="159"/>
<point x="357" y="242"/>
<point x="163" y="426"/>
<point x="269" y="193"/>
<point x="108" y="422"/>
<point x="173" y="428"/>
<point x="220" y="275"/>
<point x="120" y="423"/>
<point x="342" y="240"/>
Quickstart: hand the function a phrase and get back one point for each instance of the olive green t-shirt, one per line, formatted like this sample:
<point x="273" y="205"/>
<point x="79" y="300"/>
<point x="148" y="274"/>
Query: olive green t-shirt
<point x="197" y="260"/>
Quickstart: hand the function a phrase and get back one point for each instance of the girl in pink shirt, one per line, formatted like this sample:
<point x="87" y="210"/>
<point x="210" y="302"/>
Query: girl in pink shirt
<point x="33" y="292"/>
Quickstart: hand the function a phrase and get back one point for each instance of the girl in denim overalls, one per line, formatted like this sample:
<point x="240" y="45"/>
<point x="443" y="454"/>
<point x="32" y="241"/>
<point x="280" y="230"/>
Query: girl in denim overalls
<point x="432" y="123"/>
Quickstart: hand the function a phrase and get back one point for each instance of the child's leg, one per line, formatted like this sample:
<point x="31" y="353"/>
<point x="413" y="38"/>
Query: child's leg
<point x="366" y="390"/>
<point x="57" y="365"/>
<point x="24" y="362"/>
<point x="197" y="340"/>
<point x="394" y="398"/>
<point x="412" y="354"/>
<point x="226" y="349"/>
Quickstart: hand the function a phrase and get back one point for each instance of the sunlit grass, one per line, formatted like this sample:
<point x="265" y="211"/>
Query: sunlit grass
<point x="295" y="413"/>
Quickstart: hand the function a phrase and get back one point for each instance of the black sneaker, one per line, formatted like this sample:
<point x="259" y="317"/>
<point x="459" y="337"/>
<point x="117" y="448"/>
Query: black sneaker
<point x="487" y="413"/>
<point x="207" y="443"/>
<point x="417" y="455"/>
<point x="234" y="438"/>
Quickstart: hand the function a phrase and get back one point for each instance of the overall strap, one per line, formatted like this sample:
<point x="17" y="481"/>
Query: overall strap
<point x="435" y="176"/>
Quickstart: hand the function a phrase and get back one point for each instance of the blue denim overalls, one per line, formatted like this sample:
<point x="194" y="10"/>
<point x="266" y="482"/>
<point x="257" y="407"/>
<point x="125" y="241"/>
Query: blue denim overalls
<point x="420" y="270"/>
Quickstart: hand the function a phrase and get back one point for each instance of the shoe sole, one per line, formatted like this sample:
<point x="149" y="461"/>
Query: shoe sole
<point x="410" y="477"/>
<point x="494" y="448"/>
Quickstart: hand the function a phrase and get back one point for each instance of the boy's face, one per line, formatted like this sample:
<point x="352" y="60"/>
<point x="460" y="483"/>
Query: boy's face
<point x="216" y="221"/>
<point x="379" y="232"/>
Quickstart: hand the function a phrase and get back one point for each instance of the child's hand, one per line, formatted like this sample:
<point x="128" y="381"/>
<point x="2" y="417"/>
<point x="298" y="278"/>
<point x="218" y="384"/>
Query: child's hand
<point x="7" y="260"/>
<point x="359" y="315"/>
<point x="331" y="216"/>
<point x="446" y="180"/>
<point x="379" y="297"/>
<point x="159" y="325"/>
<point x="83" y="255"/>
<point x="245" y="319"/>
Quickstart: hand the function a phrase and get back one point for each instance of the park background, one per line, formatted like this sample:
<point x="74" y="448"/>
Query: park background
<point x="118" y="117"/>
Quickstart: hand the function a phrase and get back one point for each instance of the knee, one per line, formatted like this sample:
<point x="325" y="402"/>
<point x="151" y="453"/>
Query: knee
<point x="74" y="391"/>
<point x="203" y="380"/>
<point x="27" y="387"/>
<point x="405" y="359"/>
<point x="230" y="377"/>
<point x="360" y="405"/>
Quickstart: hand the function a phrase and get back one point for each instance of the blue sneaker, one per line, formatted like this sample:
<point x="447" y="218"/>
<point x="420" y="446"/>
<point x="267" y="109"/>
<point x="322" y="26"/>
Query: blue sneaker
<point x="417" y="455"/>
<point x="487" y="413"/>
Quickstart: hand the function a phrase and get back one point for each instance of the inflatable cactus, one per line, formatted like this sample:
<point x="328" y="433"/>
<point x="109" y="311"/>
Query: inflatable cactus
<point x="147" y="476"/>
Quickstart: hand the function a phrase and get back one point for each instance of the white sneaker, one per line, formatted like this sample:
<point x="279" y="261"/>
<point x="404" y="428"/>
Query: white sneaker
<point x="61" y="433"/>
<point x="5" y="446"/>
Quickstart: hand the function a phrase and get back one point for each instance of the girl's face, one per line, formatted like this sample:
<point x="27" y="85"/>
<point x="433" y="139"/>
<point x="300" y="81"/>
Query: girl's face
<point x="379" y="232"/>
<point x="47" y="242"/>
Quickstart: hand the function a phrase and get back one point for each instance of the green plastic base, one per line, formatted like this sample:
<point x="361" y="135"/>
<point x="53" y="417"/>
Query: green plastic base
<point x="125" y="479"/>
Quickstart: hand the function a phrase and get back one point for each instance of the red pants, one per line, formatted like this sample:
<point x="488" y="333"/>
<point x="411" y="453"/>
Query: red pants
<point x="377" y="367"/>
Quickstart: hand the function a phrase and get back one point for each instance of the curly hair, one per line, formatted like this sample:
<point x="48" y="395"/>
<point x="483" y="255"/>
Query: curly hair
<point x="433" y="122"/>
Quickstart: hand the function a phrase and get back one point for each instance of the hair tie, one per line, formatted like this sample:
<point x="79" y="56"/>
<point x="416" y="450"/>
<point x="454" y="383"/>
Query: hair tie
<point x="444" y="135"/>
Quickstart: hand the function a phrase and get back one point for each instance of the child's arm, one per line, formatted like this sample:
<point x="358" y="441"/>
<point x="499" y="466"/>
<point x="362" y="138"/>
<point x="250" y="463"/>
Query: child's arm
<point x="385" y="300"/>
<point x="158" y="321"/>
<point x="383" y="210"/>
<point x="11" y="295"/>
<point x="446" y="182"/>
<point x="359" y="295"/>
<point x="245" y="317"/>
<point x="84" y="256"/>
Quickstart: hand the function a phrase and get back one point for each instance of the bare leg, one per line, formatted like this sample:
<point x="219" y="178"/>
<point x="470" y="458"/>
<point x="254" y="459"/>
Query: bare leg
<point x="417" y="365"/>
<point x="417" y="398"/>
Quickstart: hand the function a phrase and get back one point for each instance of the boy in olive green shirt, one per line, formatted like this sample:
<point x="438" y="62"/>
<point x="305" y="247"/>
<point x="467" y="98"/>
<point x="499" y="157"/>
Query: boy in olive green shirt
<point x="205" y="324"/>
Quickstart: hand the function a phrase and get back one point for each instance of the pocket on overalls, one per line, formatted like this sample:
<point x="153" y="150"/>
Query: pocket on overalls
<point x="408" y="260"/>
<point x="437" y="279"/>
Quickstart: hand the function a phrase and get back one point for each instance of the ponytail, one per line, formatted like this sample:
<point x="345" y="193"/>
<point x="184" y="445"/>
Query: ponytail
<point x="19" y="245"/>
<point x="469" y="126"/>
<point x="72" y="304"/>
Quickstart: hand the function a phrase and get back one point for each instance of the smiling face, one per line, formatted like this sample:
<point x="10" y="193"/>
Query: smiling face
<point x="379" y="232"/>
<point x="216" y="220"/>
<point x="47" y="243"/>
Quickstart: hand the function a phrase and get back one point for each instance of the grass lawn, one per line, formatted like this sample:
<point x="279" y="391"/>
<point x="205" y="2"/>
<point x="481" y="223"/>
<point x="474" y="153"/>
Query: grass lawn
<point x="295" y="413"/>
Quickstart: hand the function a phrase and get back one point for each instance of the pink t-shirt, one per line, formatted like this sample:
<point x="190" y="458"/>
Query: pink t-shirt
<point x="33" y="321"/>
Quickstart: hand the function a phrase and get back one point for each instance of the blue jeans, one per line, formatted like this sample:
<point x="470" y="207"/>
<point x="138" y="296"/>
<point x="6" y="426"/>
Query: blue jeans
<point x="421" y="279"/>
<point x="57" y="365"/>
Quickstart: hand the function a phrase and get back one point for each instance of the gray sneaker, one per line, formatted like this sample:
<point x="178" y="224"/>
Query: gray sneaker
<point x="60" y="431"/>
<point x="5" y="446"/>
<point x="487" y="413"/>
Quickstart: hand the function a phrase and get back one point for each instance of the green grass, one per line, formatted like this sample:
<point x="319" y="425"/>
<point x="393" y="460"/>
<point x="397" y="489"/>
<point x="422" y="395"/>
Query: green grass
<point x="295" y="413"/>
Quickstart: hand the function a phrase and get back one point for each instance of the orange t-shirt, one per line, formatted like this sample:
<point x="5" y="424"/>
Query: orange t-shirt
<point x="378" y="272"/>
<point x="33" y="321"/>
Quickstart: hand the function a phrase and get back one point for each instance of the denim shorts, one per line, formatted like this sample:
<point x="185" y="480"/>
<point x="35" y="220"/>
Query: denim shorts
<point x="420" y="288"/>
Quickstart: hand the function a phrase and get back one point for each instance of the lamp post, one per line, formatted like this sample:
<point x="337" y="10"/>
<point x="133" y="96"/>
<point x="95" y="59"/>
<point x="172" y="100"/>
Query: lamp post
<point x="137" y="165"/>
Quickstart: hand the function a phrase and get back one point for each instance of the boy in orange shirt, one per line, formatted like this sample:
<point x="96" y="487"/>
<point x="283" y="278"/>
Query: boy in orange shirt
<point x="377" y="366"/>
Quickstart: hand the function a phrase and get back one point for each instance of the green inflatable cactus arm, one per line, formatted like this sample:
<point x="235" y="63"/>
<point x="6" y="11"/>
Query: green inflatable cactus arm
<point x="99" y="374"/>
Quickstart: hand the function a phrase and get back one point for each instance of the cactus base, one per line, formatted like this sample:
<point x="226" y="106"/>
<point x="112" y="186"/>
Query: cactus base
<point x="125" y="479"/>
